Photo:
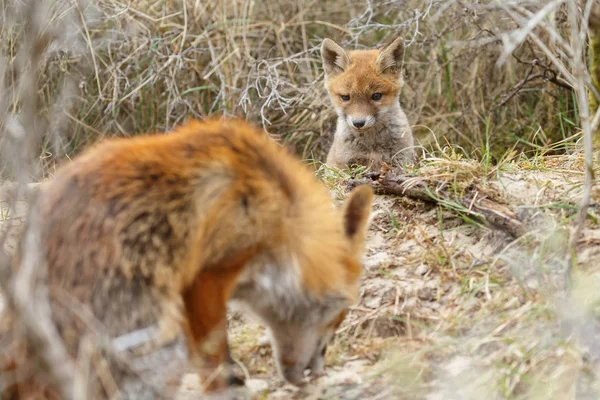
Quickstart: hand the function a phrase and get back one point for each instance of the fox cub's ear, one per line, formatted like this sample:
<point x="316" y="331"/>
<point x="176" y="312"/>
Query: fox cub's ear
<point x="357" y="210"/>
<point x="391" y="58"/>
<point x="335" y="59"/>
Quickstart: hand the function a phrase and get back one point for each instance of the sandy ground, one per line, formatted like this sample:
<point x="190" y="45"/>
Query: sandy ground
<point x="452" y="310"/>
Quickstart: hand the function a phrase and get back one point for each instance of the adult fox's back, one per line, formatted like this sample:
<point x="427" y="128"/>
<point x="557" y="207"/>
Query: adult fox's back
<point x="159" y="228"/>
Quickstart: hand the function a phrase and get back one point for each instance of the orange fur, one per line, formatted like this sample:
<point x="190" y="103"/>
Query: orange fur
<point x="159" y="229"/>
<point x="360" y="81"/>
<point x="364" y="87"/>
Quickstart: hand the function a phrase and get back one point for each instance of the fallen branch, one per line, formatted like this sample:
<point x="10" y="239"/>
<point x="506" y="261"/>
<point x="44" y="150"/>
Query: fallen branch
<point x="490" y="212"/>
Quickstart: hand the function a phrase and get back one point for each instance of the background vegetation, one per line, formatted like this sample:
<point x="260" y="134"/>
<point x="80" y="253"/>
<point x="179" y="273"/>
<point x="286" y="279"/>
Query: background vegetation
<point x="125" y="67"/>
<point x="498" y="89"/>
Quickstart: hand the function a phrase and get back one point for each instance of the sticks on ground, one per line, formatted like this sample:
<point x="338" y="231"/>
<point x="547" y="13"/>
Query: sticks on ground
<point x="486" y="210"/>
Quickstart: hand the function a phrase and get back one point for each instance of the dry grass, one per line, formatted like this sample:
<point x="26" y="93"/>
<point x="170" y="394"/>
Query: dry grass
<point x="127" y="67"/>
<point x="481" y="315"/>
<point x="466" y="313"/>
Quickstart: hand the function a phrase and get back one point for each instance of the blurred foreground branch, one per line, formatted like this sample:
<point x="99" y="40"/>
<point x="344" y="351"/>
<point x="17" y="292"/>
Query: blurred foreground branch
<point x="22" y="131"/>
<point x="568" y="55"/>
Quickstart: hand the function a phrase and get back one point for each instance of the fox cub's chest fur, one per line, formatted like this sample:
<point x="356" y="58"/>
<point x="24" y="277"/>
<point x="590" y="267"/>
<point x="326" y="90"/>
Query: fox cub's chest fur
<point x="364" y="87"/>
<point x="389" y="141"/>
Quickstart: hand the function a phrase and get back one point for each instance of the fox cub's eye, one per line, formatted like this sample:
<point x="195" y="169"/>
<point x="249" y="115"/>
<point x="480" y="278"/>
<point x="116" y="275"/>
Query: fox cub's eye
<point x="345" y="97"/>
<point x="377" y="96"/>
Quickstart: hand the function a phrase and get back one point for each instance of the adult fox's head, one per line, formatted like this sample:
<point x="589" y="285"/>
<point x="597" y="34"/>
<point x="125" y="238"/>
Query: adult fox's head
<point x="364" y="85"/>
<point x="303" y="295"/>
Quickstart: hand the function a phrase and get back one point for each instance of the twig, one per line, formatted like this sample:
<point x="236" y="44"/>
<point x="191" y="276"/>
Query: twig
<point x="31" y="301"/>
<point x="580" y="75"/>
<point x="528" y="78"/>
<point x="571" y="64"/>
<point x="493" y="213"/>
<point x="24" y="288"/>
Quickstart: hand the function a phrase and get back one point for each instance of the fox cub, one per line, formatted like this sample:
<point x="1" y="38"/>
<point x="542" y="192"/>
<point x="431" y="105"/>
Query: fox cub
<point x="364" y="87"/>
<point x="161" y="229"/>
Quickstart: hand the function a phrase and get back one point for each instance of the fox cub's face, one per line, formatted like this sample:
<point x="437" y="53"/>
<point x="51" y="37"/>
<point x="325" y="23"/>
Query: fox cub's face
<point x="364" y="85"/>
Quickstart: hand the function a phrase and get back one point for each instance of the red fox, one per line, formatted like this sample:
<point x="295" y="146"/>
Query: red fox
<point x="167" y="227"/>
<point x="364" y="87"/>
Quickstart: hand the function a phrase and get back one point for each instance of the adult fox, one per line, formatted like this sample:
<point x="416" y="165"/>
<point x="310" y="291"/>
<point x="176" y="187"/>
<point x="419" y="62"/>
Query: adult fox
<point x="162" y="228"/>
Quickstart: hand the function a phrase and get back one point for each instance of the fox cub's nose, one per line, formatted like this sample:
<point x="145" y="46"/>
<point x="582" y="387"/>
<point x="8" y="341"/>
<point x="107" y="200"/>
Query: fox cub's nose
<point x="358" y="123"/>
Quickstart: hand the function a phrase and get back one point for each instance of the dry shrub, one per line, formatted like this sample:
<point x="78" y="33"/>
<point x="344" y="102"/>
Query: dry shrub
<point x="122" y="68"/>
<point x="146" y="65"/>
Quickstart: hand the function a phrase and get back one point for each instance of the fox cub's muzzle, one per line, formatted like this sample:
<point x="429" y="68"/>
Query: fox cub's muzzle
<point x="360" y="123"/>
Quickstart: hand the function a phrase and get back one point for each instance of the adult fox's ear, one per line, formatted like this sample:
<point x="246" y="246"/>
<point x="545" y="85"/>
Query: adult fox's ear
<point x="335" y="59"/>
<point x="391" y="58"/>
<point x="357" y="210"/>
